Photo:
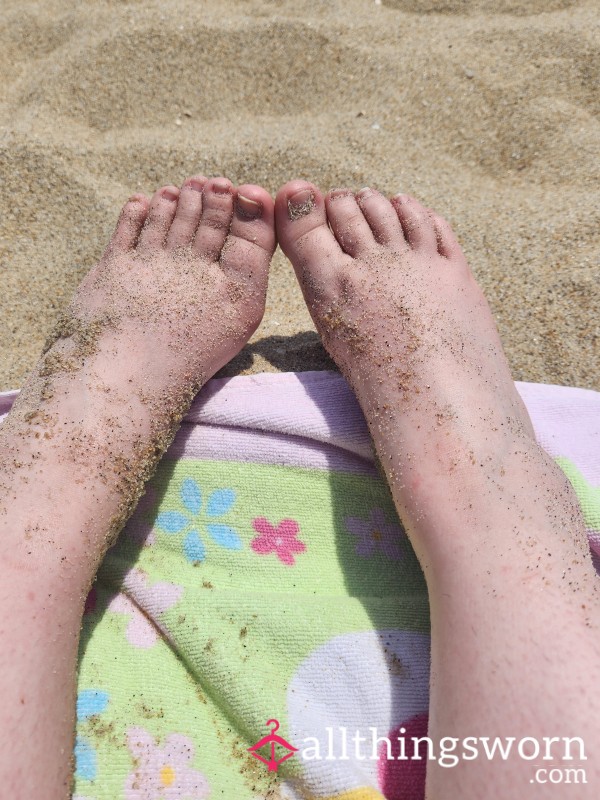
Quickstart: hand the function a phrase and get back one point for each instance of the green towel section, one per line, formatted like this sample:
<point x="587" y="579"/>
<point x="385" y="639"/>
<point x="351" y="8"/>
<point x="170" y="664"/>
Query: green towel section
<point x="232" y="583"/>
<point x="588" y="495"/>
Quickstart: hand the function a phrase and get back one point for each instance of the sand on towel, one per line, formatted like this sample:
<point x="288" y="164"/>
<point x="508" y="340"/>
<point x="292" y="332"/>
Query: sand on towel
<point x="486" y="110"/>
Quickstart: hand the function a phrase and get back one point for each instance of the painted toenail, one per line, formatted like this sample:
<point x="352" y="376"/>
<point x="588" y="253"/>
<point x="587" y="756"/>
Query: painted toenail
<point x="301" y="203"/>
<point x="195" y="185"/>
<point x="170" y="194"/>
<point x="221" y="187"/>
<point x="248" y="208"/>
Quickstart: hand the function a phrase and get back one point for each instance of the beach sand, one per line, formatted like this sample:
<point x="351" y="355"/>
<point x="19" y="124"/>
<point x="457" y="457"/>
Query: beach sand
<point x="486" y="110"/>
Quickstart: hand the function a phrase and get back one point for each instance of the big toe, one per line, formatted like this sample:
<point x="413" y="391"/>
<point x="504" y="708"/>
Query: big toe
<point x="250" y="240"/>
<point x="304" y="234"/>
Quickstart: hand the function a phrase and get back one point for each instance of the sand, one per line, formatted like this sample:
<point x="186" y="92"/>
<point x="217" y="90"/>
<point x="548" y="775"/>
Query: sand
<point x="486" y="110"/>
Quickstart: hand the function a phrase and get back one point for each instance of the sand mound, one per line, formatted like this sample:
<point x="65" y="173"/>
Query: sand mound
<point x="485" y="109"/>
<point x="517" y="7"/>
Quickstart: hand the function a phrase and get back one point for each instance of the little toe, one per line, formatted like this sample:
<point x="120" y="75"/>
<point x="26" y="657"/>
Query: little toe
<point x="187" y="216"/>
<point x="131" y="221"/>
<point x="348" y="223"/>
<point x="217" y="212"/>
<point x="382" y="218"/>
<point x="416" y="221"/>
<point x="251" y="241"/>
<point x="160" y="216"/>
<point x="303" y="232"/>
<point x="447" y="242"/>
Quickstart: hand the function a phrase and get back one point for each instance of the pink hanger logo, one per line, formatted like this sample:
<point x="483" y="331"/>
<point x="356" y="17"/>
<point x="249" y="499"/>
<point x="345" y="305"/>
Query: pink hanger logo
<point x="273" y="740"/>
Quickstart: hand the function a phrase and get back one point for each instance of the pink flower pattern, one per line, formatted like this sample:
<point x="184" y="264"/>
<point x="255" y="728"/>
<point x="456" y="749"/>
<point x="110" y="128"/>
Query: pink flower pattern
<point x="163" y="772"/>
<point x="140" y="601"/>
<point x="279" y="539"/>
<point x="376" y="534"/>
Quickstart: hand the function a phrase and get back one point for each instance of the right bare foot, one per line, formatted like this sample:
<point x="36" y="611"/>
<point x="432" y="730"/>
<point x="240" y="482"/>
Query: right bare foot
<point x="399" y="311"/>
<point x="492" y="519"/>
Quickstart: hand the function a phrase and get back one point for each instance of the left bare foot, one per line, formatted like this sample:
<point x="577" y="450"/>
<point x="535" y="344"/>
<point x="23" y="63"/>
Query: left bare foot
<point x="178" y="292"/>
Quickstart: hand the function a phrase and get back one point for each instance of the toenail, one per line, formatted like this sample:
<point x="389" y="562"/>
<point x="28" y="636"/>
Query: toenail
<point x="221" y="187"/>
<point x="170" y="194"/>
<point x="197" y="186"/>
<point x="301" y="203"/>
<point x="136" y="198"/>
<point x="248" y="208"/>
<point x="336" y="194"/>
<point x="365" y="192"/>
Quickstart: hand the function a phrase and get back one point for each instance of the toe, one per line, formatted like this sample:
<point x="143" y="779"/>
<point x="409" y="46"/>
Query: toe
<point x="348" y="223"/>
<point x="303" y="232"/>
<point x="416" y="221"/>
<point x="131" y="221"/>
<point x="447" y="242"/>
<point x="217" y="212"/>
<point x="381" y="216"/>
<point x="187" y="216"/>
<point x="160" y="215"/>
<point x="251" y="242"/>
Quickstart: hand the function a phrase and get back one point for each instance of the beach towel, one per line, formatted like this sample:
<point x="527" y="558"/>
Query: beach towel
<point x="261" y="628"/>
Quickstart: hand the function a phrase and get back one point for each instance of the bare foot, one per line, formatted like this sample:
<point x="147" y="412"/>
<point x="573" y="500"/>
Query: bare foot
<point x="492" y="519"/>
<point x="178" y="292"/>
<point x="399" y="311"/>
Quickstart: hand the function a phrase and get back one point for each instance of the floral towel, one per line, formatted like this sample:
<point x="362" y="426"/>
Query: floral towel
<point x="264" y="605"/>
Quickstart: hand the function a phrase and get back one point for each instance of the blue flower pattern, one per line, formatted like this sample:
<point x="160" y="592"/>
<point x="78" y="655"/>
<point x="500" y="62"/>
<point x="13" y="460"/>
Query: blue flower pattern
<point x="196" y="516"/>
<point x="89" y="703"/>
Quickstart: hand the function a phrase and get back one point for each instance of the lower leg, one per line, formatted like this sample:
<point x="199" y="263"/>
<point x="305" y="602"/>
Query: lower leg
<point x="176" y="295"/>
<point x="514" y="616"/>
<point x="514" y="599"/>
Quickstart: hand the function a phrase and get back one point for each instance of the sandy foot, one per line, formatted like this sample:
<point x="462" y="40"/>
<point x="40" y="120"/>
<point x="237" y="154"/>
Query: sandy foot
<point x="178" y="292"/>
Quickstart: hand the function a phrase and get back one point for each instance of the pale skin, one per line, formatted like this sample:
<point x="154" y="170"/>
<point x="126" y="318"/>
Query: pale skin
<point x="497" y="529"/>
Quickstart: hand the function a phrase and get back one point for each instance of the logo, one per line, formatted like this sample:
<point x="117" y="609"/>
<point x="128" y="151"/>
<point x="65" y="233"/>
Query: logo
<point x="272" y="740"/>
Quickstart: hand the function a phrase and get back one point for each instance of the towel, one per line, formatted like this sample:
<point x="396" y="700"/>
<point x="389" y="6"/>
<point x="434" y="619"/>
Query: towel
<point x="261" y="627"/>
